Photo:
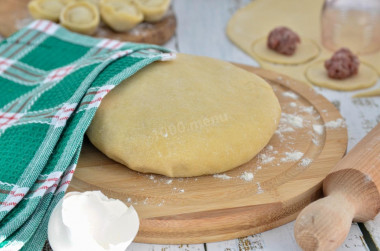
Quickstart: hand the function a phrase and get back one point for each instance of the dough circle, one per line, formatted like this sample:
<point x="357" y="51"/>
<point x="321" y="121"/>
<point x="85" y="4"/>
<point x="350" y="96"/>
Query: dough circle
<point x="187" y="117"/>
<point x="317" y="74"/>
<point x="305" y="52"/>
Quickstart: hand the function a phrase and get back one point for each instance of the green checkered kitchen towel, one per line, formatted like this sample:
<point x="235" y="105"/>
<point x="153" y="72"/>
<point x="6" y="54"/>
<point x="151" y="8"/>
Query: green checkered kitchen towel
<point x="51" y="82"/>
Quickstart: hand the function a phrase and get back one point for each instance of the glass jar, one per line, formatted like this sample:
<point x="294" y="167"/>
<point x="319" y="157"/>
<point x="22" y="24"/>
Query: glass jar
<point x="354" y="24"/>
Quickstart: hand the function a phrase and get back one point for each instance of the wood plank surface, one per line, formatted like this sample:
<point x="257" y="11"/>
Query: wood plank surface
<point x="14" y="15"/>
<point x="282" y="239"/>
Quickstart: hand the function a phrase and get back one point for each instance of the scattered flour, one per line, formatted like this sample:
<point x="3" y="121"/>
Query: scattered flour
<point x="269" y="148"/>
<point x="280" y="136"/>
<point x="259" y="188"/>
<point x="259" y="168"/>
<point x="161" y="203"/>
<point x="367" y="178"/>
<point x="247" y="176"/>
<point x="292" y="156"/>
<point x="169" y="182"/>
<point x="288" y="123"/>
<point x="318" y="129"/>
<point x="307" y="109"/>
<point x="182" y="190"/>
<point x="293" y="104"/>
<point x="151" y="177"/>
<point x="293" y="120"/>
<point x="222" y="176"/>
<point x="335" y="124"/>
<point x="265" y="159"/>
<point x="305" y="162"/>
<point x="315" y="141"/>
<point x="282" y="128"/>
<point x="290" y="95"/>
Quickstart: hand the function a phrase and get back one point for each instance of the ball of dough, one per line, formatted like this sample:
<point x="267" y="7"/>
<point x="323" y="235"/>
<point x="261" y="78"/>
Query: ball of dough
<point x="187" y="117"/>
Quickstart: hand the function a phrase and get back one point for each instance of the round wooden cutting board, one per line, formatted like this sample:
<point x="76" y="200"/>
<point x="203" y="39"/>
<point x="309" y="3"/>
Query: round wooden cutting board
<point x="287" y="175"/>
<point x="14" y="15"/>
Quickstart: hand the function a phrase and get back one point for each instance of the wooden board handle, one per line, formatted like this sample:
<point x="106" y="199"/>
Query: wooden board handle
<point x="352" y="193"/>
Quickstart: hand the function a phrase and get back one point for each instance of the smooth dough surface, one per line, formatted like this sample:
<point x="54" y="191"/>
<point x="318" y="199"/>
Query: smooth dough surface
<point x="187" y="117"/>
<point x="306" y="51"/>
<point x="365" y="78"/>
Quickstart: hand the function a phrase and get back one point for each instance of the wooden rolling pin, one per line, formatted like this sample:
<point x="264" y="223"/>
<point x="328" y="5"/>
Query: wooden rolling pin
<point x="352" y="194"/>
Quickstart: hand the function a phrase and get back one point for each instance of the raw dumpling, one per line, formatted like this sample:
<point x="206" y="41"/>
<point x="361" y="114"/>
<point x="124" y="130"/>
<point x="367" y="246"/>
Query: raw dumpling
<point x="153" y="10"/>
<point x="120" y="15"/>
<point x="82" y="17"/>
<point x="46" y="9"/>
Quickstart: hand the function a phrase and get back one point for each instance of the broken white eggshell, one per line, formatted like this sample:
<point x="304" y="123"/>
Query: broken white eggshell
<point x="91" y="221"/>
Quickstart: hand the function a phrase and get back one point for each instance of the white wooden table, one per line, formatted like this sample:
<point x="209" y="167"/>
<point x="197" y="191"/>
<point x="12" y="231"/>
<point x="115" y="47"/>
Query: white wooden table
<point x="201" y="31"/>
